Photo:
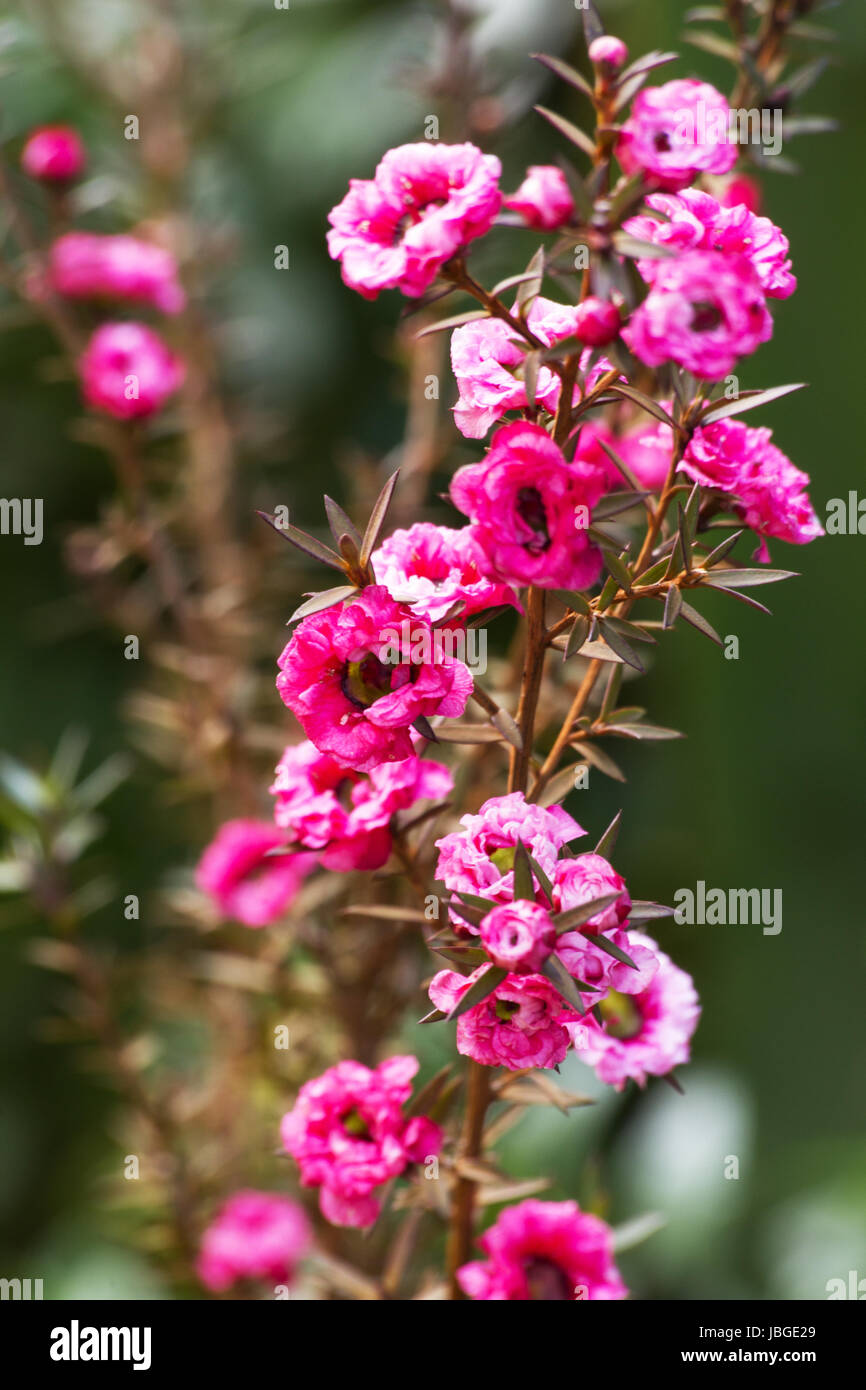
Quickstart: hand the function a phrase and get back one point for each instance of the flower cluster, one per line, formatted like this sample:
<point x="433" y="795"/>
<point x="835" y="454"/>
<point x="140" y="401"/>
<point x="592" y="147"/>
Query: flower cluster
<point x="546" y="1251"/>
<point x="524" y="1020"/>
<point x="349" y="1134"/>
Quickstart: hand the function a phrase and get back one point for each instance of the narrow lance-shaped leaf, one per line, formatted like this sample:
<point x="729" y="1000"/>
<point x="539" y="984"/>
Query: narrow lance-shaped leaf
<point x="377" y="517"/>
<point x="301" y="541"/>
<point x="568" y="74"/>
<point x="747" y="400"/>
<point x="691" y="615"/>
<point x="559" y="977"/>
<point x="721" y="550"/>
<point x="478" y="991"/>
<point x="620" y="645"/>
<point x="326" y="599"/>
<point x="575" y="917"/>
<point x="339" y="522"/>
<point x="643" y="911"/>
<point x="673" y="604"/>
<point x="541" y="878"/>
<point x="609" y="838"/>
<point x="604" y="944"/>
<point x="524" y="889"/>
<point x="749" y="578"/>
<point x="593" y="26"/>
<point x="571" y="132"/>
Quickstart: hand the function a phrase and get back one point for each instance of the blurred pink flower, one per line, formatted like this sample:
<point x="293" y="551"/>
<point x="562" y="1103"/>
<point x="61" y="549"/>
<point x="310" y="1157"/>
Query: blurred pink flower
<point x="255" y="1235"/>
<point x="543" y="200"/>
<point x="89" y="265"/>
<point x="244" y="882"/>
<point x="128" y="371"/>
<point x="348" y="1134"/>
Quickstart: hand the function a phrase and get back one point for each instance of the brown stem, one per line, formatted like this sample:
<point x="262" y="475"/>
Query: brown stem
<point x="463" y="1199"/>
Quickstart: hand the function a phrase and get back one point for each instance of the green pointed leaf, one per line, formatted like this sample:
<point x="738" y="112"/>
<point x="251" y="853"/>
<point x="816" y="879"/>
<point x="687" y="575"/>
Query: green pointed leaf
<point x="340" y="523"/>
<point x="735" y="593"/>
<point x="604" y="944"/>
<point x="643" y="911"/>
<point x="633" y="631"/>
<point x="696" y="619"/>
<point x="628" y="245"/>
<point x="673" y="604"/>
<point x="620" y="645"/>
<point x="749" y="578"/>
<point x="575" y="917"/>
<point x="721" y="550"/>
<point x="530" y="288"/>
<point x="524" y="888"/>
<point x="478" y="992"/>
<point x="609" y="838"/>
<point x="646" y="403"/>
<point x="377" y="517"/>
<point x="326" y="599"/>
<point x="649" y="732"/>
<point x="301" y="541"/>
<point x="603" y="761"/>
<point x="747" y="400"/>
<point x="571" y="132"/>
<point x="568" y="74"/>
<point x="541" y="878"/>
<point x="618" y="568"/>
<point x="559" y="977"/>
<point x="456" y="321"/>
<point x="593" y="27"/>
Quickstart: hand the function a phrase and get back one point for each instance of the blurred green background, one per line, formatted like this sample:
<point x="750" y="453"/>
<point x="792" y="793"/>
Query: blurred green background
<point x="766" y="789"/>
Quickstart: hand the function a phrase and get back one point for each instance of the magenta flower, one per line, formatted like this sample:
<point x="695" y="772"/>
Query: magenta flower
<point x="544" y="1251"/>
<point x="518" y="936"/>
<point x="348" y="1134"/>
<point x="596" y="321"/>
<point x="648" y="452"/>
<point x="543" y="200"/>
<point x="423" y="204"/>
<point x="323" y="806"/>
<point x="53" y="154"/>
<point x="577" y="881"/>
<point x="479" y="858"/>
<point x="518" y="1024"/>
<point x="128" y="371"/>
<point x="486" y="361"/>
<point x="88" y="265"/>
<point x="245" y="883"/>
<point x="705" y="310"/>
<point x="434" y="567"/>
<point x="769" y="491"/>
<point x="697" y="222"/>
<point x="530" y="509"/>
<point x="676" y="132"/>
<point x="644" y="1034"/>
<point x="255" y="1235"/>
<point x="359" y="674"/>
<point x="593" y="965"/>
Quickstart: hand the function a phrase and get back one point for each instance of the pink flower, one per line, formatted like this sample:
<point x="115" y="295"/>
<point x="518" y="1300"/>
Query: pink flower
<point x="348" y="1134"/>
<point x="530" y="509"/>
<point x="608" y="51"/>
<point x="647" y="451"/>
<point x="434" y="567"/>
<point x="479" y="857"/>
<point x="769" y="490"/>
<point x="697" y="222"/>
<point x="741" y="189"/>
<point x="243" y="881"/>
<point x="256" y="1235"/>
<point x="486" y="362"/>
<point x="517" y="1025"/>
<point x="594" y="966"/>
<point x="128" y="371"/>
<point x="544" y="1251"/>
<point x="518" y="936"/>
<point x="644" y="1034"/>
<point x="577" y="881"/>
<point x="359" y="674"/>
<point x="87" y="265"/>
<point x="424" y="202"/>
<point x="596" y="321"/>
<point x="53" y="154"/>
<point x="704" y="311"/>
<point x="543" y="199"/>
<point x="676" y="132"/>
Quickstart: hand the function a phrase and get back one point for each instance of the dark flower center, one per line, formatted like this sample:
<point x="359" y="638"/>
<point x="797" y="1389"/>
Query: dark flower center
<point x="662" y="142"/>
<point x="505" y="1009"/>
<point x="546" y="1281"/>
<point x="622" y="1017"/>
<point x="705" y="317"/>
<point x="530" y="509"/>
<point x="364" y="681"/>
<point x="355" y="1125"/>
